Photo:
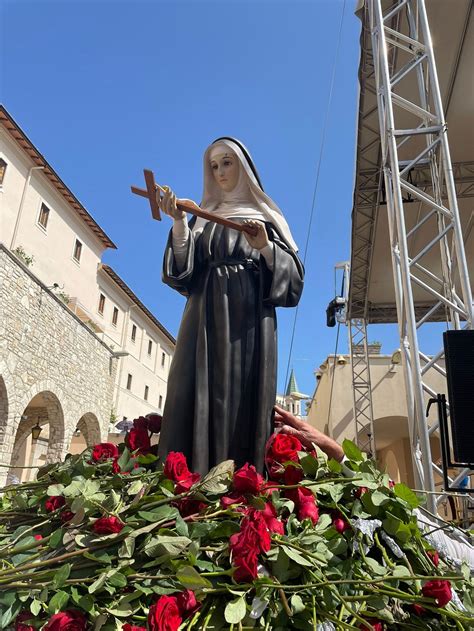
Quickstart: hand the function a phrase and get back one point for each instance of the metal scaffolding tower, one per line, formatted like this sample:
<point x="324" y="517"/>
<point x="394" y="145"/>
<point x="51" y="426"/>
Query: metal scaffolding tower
<point x="438" y="267"/>
<point x="361" y="386"/>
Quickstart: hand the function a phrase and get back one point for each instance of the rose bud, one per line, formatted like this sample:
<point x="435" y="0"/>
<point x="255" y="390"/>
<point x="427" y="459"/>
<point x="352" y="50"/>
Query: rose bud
<point x="104" y="451"/>
<point x="439" y="590"/>
<point x="54" y="502"/>
<point x="434" y="556"/>
<point x="70" y="620"/>
<point x="107" y="525"/>
<point x="360" y="491"/>
<point x="154" y="423"/>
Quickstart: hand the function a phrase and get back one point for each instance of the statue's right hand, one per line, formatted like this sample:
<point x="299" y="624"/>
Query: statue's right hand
<point x="167" y="203"/>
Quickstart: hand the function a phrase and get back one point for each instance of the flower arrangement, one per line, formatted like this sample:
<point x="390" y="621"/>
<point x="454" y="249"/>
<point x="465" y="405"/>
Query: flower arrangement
<point x="113" y="540"/>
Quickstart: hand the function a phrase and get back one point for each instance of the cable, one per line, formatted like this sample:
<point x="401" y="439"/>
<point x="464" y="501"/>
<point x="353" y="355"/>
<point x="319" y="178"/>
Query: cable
<point x="318" y="169"/>
<point x="333" y="371"/>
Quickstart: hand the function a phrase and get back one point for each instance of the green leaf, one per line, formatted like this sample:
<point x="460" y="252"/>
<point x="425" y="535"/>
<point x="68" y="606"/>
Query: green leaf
<point x="124" y="459"/>
<point x="191" y="579"/>
<point x="135" y="487"/>
<point x="400" y="570"/>
<point x="295" y="556"/>
<point x="334" y="466"/>
<point x="162" y="513"/>
<point x="405" y="493"/>
<point x="127" y="548"/>
<point x="55" y="489"/>
<point x="297" y="604"/>
<point x="86" y="602"/>
<point x="58" y="602"/>
<point x="218" y="479"/>
<point x="352" y="451"/>
<point x="181" y="526"/>
<point x="375" y="567"/>
<point x="161" y="545"/>
<point x="235" y="610"/>
<point x="98" y="583"/>
<point x="10" y="613"/>
<point x="378" y="498"/>
<point x="117" y="579"/>
<point x="62" y="575"/>
<point x="35" y="607"/>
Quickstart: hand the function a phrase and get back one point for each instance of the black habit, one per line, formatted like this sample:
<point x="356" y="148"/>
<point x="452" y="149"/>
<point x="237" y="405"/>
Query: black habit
<point x="222" y="381"/>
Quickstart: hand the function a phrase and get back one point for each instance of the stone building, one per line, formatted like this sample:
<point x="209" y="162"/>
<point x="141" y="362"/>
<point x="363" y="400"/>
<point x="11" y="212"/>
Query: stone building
<point x="78" y="349"/>
<point x="293" y="398"/>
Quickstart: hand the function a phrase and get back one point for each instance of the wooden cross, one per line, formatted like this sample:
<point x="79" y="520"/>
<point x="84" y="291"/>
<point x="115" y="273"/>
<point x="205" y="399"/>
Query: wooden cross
<point x="185" y="205"/>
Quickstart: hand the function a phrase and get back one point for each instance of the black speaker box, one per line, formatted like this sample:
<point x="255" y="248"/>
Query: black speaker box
<point x="459" y="355"/>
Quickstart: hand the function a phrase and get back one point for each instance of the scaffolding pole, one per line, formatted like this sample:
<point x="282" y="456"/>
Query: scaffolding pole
<point x="446" y="280"/>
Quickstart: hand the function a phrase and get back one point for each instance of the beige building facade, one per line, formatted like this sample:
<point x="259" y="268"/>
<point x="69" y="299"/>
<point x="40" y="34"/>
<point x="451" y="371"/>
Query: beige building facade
<point x="331" y="409"/>
<point x="47" y="237"/>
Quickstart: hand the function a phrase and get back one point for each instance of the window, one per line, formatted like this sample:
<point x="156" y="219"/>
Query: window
<point x="77" y="250"/>
<point x="129" y="382"/>
<point x="3" y="168"/>
<point x="43" y="216"/>
<point x="115" y="316"/>
<point x="101" y="303"/>
<point x="150" y="346"/>
<point x="134" y="332"/>
<point x="163" y="358"/>
<point x="160" y="402"/>
<point x="145" y="396"/>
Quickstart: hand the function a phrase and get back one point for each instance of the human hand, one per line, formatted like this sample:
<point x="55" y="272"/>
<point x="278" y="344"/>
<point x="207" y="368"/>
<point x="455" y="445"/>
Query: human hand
<point x="167" y="203"/>
<point x="260" y="239"/>
<point x="308" y="435"/>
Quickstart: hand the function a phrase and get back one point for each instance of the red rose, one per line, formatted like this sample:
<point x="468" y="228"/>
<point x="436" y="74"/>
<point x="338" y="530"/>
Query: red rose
<point x="38" y="537"/>
<point x="141" y="423"/>
<point x="419" y="610"/>
<point x="104" y="451"/>
<point x="246" y="564"/>
<point x="107" y="525"/>
<point x="185" y="485"/>
<point x="360" y="491"/>
<point x="282" y="448"/>
<point x="54" y="502"/>
<point x="176" y="467"/>
<point x="293" y="475"/>
<point x="131" y="627"/>
<point x="189" y="506"/>
<point x="434" y="556"/>
<point x="187" y="603"/>
<point x="71" y="620"/>
<point x="115" y="466"/>
<point x="24" y="616"/>
<point x="439" y="590"/>
<point x="305" y="503"/>
<point x="138" y="439"/>
<point x="247" y="480"/>
<point x="377" y="625"/>
<point x="154" y="423"/>
<point x="65" y="516"/>
<point x="340" y="524"/>
<point x="391" y="483"/>
<point x="273" y="524"/>
<point x="164" y="615"/>
<point x="231" y="499"/>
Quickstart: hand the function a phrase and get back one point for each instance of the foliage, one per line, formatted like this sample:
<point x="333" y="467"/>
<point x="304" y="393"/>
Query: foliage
<point x="26" y="259"/>
<point x="124" y="534"/>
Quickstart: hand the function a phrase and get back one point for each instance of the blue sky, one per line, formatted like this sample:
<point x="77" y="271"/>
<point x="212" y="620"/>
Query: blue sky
<point x="107" y="88"/>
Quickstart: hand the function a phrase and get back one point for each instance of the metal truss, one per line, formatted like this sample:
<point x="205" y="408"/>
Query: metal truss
<point x="424" y="175"/>
<point x="361" y="386"/>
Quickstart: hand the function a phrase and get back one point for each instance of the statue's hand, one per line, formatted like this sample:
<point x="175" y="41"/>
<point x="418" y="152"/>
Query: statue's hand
<point x="260" y="239"/>
<point x="167" y="203"/>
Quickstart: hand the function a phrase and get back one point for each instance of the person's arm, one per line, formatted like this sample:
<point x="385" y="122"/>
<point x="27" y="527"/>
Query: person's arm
<point x="308" y="435"/>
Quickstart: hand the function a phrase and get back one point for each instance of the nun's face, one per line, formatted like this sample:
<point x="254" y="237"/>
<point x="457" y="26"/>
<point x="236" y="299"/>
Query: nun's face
<point x="225" y="168"/>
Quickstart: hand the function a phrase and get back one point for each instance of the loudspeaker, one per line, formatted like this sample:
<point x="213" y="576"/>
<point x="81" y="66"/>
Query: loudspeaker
<point x="459" y="356"/>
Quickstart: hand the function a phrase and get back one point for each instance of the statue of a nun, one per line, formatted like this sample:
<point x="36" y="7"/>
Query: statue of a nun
<point x="222" y="381"/>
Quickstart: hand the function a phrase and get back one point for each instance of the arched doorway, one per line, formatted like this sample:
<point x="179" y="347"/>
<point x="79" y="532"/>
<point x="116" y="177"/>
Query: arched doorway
<point x="87" y="433"/>
<point x="39" y="437"/>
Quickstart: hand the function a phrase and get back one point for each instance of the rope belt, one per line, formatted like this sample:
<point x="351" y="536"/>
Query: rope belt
<point x="245" y="263"/>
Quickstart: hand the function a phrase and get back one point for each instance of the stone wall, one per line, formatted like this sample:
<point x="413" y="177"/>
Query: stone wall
<point x="49" y="361"/>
